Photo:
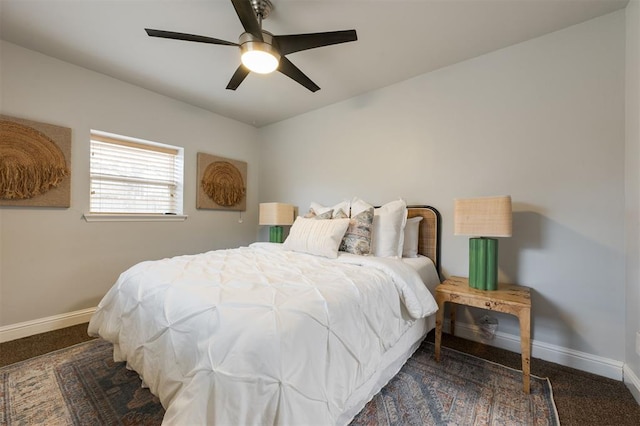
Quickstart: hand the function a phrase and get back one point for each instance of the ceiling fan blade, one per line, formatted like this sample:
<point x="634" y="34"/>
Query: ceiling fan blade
<point x="248" y="17"/>
<point x="297" y="42"/>
<point x="291" y="71"/>
<point x="238" y="77"/>
<point x="187" y="37"/>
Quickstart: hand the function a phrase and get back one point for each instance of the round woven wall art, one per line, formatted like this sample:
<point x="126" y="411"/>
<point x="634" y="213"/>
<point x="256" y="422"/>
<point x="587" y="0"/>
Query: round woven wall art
<point x="30" y="163"/>
<point x="222" y="182"/>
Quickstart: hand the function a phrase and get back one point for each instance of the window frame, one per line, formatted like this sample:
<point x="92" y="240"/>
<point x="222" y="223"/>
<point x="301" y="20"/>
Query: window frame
<point x="115" y="139"/>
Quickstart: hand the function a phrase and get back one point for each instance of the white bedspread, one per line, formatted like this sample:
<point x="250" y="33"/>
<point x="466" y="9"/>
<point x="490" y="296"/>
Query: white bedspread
<point x="258" y="335"/>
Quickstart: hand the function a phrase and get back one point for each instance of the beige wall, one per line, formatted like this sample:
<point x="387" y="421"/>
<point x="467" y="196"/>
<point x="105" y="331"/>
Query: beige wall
<point x="52" y="261"/>
<point x="542" y="120"/>
<point x="632" y="192"/>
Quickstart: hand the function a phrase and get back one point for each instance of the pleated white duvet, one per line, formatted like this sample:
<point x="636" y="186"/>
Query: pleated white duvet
<point x="258" y="335"/>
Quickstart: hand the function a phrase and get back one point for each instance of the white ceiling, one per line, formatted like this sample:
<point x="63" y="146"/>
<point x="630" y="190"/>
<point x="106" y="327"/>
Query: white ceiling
<point x="397" y="40"/>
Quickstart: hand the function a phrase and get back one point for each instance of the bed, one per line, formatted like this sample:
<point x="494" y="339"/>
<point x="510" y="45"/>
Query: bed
<point x="267" y="335"/>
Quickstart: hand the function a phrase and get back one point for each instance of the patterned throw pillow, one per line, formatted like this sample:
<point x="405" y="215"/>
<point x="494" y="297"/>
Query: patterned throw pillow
<point x="311" y="214"/>
<point x="357" y="239"/>
<point x="326" y="215"/>
<point x="339" y="211"/>
<point x="340" y="214"/>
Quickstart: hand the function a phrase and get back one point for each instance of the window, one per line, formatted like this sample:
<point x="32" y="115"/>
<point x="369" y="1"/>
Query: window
<point x="134" y="176"/>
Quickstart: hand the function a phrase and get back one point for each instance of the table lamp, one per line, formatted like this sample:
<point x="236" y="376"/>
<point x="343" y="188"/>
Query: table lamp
<point x="276" y="215"/>
<point x="483" y="218"/>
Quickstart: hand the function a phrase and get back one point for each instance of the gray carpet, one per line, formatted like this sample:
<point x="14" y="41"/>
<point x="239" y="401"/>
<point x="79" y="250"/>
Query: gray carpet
<point x="581" y="398"/>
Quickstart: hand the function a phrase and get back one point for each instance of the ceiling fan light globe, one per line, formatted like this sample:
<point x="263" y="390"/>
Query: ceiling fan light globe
<point x="259" y="61"/>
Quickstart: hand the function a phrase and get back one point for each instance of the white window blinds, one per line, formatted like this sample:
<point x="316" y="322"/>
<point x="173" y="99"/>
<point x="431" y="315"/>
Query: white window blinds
<point x="134" y="176"/>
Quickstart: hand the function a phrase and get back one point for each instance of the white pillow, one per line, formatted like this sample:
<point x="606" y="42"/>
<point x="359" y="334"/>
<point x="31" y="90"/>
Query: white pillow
<point x="388" y="229"/>
<point x="358" y="206"/>
<point x="411" y="233"/>
<point x="343" y="206"/>
<point x="318" y="237"/>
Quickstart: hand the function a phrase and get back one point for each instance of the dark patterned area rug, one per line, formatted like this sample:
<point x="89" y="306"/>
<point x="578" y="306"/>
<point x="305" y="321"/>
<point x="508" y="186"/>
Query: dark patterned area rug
<point x="81" y="385"/>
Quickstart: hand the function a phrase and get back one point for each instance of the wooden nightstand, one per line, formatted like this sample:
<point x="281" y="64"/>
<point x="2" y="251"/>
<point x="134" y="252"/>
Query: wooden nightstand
<point x="508" y="298"/>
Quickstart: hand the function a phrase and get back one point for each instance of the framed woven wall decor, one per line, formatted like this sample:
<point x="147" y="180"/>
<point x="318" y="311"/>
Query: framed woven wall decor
<point x="35" y="163"/>
<point x="222" y="183"/>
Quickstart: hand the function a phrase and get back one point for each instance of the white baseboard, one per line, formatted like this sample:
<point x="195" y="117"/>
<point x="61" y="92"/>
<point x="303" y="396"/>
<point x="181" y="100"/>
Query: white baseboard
<point x="42" y="325"/>
<point x="590" y="363"/>
<point x="633" y="382"/>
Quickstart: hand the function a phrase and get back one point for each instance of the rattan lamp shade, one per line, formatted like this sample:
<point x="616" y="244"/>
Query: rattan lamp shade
<point x="276" y="214"/>
<point x="483" y="217"/>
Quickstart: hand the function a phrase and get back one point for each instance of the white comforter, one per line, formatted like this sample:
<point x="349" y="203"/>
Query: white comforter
<point x="258" y="335"/>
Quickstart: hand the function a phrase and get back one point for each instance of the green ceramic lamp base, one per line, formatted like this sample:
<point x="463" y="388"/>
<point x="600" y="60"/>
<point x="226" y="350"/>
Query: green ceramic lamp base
<point x="483" y="263"/>
<point x="275" y="234"/>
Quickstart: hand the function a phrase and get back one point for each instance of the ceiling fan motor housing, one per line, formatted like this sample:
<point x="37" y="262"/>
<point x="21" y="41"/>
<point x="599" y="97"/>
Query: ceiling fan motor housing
<point x="250" y="45"/>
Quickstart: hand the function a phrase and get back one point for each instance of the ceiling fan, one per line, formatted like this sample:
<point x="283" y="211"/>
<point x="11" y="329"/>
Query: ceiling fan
<point x="261" y="51"/>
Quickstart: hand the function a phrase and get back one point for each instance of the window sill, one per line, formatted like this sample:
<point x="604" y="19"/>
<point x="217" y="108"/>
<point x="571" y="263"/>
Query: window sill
<point x="105" y="217"/>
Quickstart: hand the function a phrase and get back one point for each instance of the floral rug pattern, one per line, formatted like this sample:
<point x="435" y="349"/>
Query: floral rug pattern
<point x="81" y="385"/>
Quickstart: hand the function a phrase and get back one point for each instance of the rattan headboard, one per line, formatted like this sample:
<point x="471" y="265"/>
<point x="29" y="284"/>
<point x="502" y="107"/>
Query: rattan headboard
<point x="429" y="237"/>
